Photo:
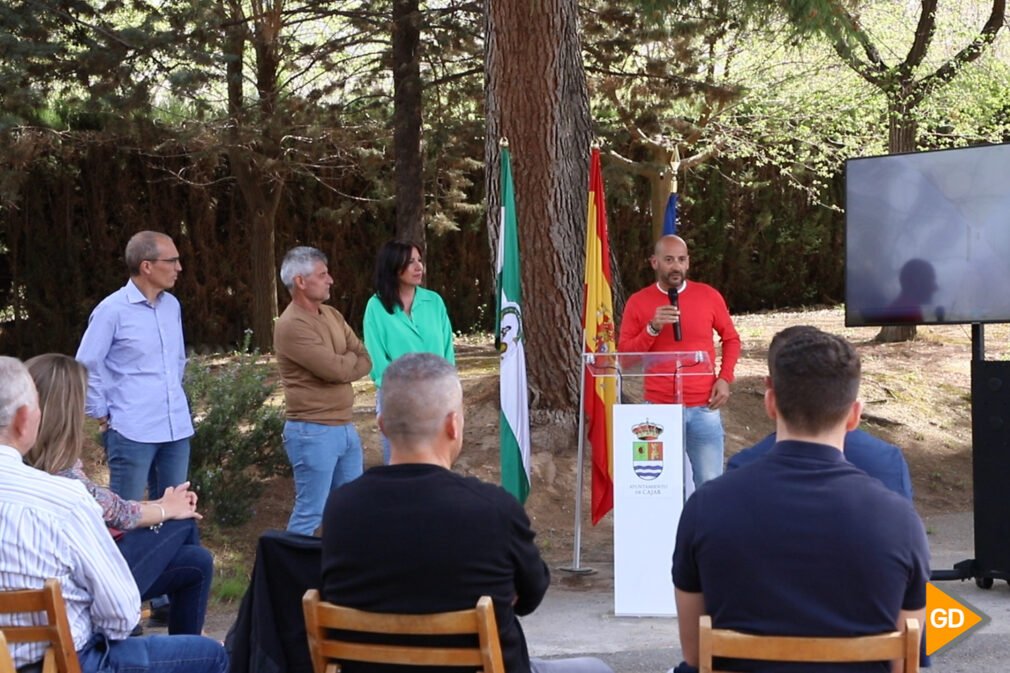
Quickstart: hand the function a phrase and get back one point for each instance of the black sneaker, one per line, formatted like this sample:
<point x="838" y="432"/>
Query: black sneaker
<point x="159" y="617"/>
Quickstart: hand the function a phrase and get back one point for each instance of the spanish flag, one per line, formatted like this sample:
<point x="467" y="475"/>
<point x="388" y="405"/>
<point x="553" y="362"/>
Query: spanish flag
<point x="599" y="336"/>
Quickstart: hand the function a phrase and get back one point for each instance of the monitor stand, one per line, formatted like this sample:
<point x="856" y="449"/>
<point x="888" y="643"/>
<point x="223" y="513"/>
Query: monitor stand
<point x="990" y="431"/>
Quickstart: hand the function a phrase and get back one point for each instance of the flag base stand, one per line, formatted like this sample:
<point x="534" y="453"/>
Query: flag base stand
<point x="578" y="571"/>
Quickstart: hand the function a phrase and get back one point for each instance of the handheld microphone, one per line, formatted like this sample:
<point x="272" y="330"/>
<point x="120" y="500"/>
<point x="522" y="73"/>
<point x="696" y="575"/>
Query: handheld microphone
<point x="672" y="294"/>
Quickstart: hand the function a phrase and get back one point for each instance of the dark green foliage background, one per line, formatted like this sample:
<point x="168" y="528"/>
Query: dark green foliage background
<point x="80" y="196"/>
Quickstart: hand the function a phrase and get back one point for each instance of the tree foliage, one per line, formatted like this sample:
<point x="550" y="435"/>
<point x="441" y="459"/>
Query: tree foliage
<point x="798" y="110"/>
<point x="243" y="127"/>
<point x="101" y="59"/>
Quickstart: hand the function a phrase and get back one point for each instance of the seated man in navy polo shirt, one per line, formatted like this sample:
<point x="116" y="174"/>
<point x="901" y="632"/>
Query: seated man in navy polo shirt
<point x="801" y="542"/>
<point x="870" y="454"/>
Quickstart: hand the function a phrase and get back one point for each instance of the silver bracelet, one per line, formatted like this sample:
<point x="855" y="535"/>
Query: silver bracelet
<point x="652" y="332"/>
<point x="157" y="527"/>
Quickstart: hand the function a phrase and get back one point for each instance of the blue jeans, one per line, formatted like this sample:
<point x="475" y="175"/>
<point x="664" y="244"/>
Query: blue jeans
<point x="171" y="561"/>
<point x="386" y="449"/>
<point x="703" y="441"/>
<point x="134" y="465"/>
<point x="323" y="457"/>
<point x="153" y="654"/>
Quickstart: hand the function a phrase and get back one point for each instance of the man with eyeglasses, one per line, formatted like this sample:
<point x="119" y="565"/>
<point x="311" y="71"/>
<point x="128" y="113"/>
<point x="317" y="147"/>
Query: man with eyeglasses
<point x="134" y="352"/>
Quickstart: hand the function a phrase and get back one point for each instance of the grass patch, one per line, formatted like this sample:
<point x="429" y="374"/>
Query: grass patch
<point x="230" y="585"/>
<point x="478" y="366"/>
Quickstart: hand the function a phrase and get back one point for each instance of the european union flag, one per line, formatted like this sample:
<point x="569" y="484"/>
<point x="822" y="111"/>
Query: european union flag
<point x="670" y="216"/>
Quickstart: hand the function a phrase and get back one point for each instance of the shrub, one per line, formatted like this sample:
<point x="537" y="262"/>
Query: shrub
<point x="238" y="439"/>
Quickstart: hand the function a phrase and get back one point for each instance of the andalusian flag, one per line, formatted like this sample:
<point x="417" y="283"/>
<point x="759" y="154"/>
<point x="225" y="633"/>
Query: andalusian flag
<point x="599" y="337"/>
<point x="514" y="424"/>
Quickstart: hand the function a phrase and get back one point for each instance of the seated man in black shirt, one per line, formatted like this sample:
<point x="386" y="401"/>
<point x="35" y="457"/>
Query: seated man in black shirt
<point x="801" y="542"/>
<point x="414" y="537"/>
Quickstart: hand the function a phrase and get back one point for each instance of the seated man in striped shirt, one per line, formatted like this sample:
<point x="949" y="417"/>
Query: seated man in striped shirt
<point x="50" y="527"/>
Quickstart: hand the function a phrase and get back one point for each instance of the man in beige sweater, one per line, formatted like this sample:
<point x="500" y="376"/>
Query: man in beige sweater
<point x="318" y="356"/>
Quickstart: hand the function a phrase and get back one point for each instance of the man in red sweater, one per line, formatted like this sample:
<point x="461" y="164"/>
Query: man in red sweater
<point x="649" y="326"/>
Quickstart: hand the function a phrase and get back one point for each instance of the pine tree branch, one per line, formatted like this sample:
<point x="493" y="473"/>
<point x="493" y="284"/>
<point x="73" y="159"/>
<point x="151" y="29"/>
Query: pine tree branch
<point x="923" y="36"/>
<point x="985" y="38"/>
<point x="637" y="167"/>
<point x="445" y="79"/>
<point x="873" y="70"/>
<point x="687" y="84"/>
<point x="701" y="157"/>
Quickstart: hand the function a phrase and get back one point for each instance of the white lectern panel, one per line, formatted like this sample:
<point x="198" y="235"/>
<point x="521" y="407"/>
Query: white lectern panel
<point x="648" y="499"/>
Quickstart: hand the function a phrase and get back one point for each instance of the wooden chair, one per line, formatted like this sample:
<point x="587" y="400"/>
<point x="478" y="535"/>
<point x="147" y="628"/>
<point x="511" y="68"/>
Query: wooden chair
<point x="6" y="662"/>
<point x="884" y="647"/>
<point x="60" y="656"/>
<point x="327" y="649"/>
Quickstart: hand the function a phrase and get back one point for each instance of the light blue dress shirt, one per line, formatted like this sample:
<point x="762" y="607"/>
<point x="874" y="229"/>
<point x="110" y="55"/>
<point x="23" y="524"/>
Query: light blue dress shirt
<point x="136" y="358"/>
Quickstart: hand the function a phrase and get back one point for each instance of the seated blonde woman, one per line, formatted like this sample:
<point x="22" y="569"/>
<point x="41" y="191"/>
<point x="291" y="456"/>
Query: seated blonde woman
<point x="158" y="538"/>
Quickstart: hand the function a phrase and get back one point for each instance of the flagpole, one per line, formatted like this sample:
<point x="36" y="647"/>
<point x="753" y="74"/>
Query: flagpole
<point x="594" y="304"/>
<point x="576" y="566"/>
<point x="579" y="462"/>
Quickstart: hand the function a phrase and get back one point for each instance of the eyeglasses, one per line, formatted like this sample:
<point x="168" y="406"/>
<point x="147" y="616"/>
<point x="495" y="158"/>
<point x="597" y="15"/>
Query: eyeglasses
<point x="170" y="260"/>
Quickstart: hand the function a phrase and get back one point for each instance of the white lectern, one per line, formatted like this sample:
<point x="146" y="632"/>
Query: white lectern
<point x="650" y="473"/>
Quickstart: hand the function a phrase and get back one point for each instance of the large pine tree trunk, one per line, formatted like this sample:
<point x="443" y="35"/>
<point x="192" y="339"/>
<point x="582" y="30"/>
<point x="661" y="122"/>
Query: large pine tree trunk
<point x="902" y="125"/>
<point x="536" y="96"/>
<point x="901" y="133"/>
<point x="259" y="170"/>
<point x="407" y="121"/>
<point x="262" y="194"/>
<point x="233" y="46"/>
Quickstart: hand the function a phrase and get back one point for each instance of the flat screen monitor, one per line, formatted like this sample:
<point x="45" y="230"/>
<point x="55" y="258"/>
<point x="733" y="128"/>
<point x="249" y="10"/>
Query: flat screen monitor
<point x="927" y="237"/>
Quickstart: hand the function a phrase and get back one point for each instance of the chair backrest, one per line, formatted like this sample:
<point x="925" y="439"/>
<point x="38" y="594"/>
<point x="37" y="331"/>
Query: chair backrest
<point x="6" y="662"/>
<point x="60" y="657"/>
<point x="327" y="650"/>
<point x="733" y="644"/>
